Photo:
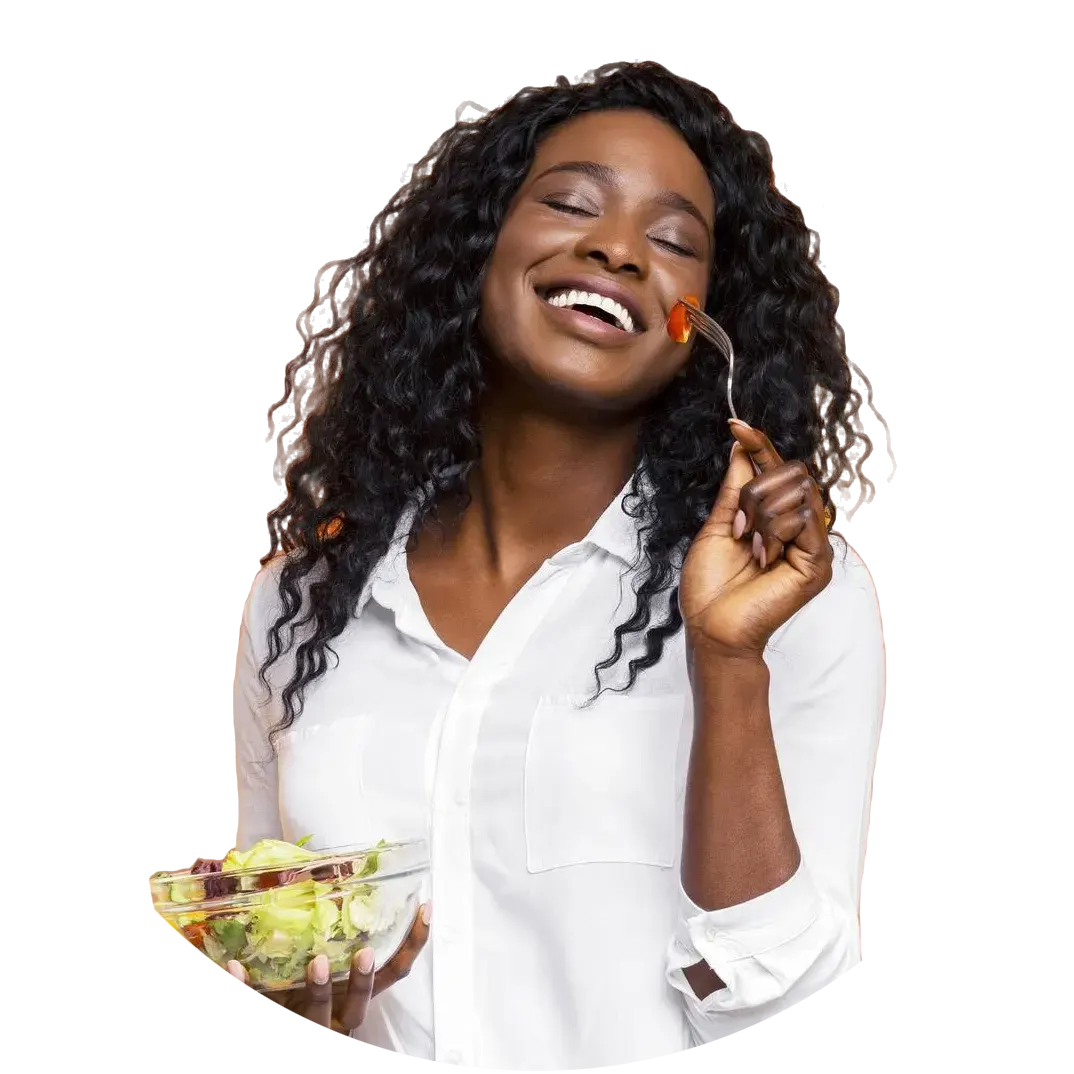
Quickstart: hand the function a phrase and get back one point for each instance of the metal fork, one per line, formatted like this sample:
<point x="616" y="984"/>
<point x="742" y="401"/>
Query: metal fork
<point x="710" y="329"/>
<point x="707" y="327"/>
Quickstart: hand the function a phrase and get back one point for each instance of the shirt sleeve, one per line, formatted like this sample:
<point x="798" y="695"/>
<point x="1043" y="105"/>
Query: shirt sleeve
<point x="255" y="761"/>
<point x="826" y="699"/>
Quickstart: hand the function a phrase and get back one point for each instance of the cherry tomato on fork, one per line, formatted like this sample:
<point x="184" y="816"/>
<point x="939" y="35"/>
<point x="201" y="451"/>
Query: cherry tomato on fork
<point x="679" y="328"/>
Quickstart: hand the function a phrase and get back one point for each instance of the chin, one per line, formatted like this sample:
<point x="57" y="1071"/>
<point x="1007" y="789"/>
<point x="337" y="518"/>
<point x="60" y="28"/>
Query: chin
<point x="565" y="374"/>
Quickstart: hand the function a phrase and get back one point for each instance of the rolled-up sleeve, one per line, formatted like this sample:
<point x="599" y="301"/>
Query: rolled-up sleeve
<point x="255" y="761"/>
<point x="826" y="699"/>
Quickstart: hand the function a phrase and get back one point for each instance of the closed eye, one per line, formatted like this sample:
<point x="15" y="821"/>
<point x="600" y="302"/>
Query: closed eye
<point x="577" y="210"/>
<point x="563" y="207"/>
<point x="675" y="248"/>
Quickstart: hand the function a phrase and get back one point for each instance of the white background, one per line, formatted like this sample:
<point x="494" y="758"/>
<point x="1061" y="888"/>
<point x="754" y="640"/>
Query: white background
<point x="175" y="175"/>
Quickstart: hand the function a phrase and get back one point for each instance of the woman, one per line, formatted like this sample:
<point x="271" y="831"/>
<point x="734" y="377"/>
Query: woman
<point x="647" y="822"/>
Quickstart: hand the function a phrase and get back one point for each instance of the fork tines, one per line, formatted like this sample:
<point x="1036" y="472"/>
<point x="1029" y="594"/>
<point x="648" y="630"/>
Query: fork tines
<point x="712" y="331"/>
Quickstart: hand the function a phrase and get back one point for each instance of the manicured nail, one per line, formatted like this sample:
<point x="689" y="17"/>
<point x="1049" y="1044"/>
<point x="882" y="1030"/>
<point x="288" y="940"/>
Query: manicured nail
<point x="319" y="970"/>
<point x="236" y="970"/>
<point x="740" y="424"/>
<point x="758" y="549"/>
<point x="365" y="960"/>
<point x="739" y="526"/>
<point x="427" y="914"/>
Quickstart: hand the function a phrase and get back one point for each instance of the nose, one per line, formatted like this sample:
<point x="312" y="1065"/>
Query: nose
<point x="615" y="244"/>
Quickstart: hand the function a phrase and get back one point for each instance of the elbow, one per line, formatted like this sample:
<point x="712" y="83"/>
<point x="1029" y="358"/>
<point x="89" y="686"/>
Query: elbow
<point x="773" y="979"/>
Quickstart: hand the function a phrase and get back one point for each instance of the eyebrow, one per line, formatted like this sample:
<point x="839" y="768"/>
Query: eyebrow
<point x="607" y="176"/>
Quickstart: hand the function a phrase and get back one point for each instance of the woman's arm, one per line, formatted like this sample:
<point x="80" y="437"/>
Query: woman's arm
<point x="776" y="810"/>
<point x="255" y="762"/>
<point x="734" y="775"/>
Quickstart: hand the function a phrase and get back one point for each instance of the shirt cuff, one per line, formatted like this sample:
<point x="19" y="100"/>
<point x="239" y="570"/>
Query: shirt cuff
<point x="758" y="948"/>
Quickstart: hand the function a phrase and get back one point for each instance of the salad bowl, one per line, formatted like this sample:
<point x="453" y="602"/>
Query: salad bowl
<point x="277" y="905"/>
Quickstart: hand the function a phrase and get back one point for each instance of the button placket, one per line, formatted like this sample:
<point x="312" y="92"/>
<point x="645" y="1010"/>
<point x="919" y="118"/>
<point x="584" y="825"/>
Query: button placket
<point x="452" y="953"/>
<point x="451" y="940"/>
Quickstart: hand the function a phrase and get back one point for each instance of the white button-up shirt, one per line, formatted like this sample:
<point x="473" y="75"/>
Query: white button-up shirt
<point x="560" y="927"/>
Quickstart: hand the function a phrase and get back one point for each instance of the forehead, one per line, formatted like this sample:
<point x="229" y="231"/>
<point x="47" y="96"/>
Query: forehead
<point x="643" y="149"/>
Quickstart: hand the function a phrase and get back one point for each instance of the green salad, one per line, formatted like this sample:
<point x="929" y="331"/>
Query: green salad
<point x="267" y="908"/>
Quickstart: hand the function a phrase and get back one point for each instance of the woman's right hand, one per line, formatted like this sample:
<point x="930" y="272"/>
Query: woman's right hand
<point x="342" y="1005"/>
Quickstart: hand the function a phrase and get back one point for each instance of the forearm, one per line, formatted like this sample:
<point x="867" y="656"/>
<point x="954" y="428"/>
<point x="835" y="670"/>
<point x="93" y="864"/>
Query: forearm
<point x="737" y="836"/>
<point x="738" y="842"/>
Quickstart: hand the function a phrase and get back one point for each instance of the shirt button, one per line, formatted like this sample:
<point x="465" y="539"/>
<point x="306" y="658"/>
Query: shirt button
<point x="711" y="933"/>
<point x="453" y="1057"/>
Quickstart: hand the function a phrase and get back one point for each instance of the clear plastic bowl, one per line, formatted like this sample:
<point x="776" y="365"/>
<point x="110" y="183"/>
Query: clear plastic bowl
<point x="274" y="920"/>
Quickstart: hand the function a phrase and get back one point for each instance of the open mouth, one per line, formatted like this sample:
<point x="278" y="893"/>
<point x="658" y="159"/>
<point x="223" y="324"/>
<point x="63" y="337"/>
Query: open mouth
<point x="592" y="304"/>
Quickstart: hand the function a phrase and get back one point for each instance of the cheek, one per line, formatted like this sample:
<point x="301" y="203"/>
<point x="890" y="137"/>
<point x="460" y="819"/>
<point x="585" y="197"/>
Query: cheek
<point x="504" y="290"/>
<point x="673" y="360"/>
<point x="509" y="251"/>
<point x="502" y="273"/>
<point x="497" y="321"/>
<point x="494" y="285"/>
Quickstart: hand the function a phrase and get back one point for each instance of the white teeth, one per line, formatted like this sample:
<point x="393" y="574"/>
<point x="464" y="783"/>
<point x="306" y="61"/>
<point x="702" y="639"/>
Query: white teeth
<point x="569" y="299"/>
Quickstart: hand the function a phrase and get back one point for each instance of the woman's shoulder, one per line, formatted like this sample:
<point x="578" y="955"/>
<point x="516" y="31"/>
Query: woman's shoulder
<point x="848" y="567"/>
<point x="845" y="609"/>
<point x="263" y="598"/>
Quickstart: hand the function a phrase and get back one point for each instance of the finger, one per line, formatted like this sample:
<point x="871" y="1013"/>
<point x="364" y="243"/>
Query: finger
<point x="808" y="544"/>
<point x="786" y="529"/>
<point x="766" y="550"/>
<point x="235" y="968"/>
<point x="399" y="964"/>
<point x="812" y="541"/>
<point x="739" y="472"/>
<point x="757" y="493"/>
<point x="359" y="990"/>
<point x="798" y="529"/>
<point x="758" y="445"/>
<point x="318" y="1006"/>
<point x="791" y="494"/>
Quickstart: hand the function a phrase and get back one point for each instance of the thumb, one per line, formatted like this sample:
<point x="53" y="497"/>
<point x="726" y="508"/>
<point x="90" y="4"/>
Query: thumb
<point x="739" y="472"/>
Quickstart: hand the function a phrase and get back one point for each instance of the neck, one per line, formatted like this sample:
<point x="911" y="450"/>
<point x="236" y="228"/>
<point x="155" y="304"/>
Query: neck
<point x="543" y="481"/>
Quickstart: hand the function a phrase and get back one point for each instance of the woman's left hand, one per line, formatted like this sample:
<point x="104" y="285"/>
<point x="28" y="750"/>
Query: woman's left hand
<point x="762" y="554"/>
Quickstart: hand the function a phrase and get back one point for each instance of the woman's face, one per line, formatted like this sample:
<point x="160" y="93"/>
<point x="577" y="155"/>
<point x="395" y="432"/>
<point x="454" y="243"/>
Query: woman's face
<point x="615" y="205"/>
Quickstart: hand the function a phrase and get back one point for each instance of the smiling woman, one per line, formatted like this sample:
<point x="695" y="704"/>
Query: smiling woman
<point x="493" y="437"/>
<point x="631" y="228"/>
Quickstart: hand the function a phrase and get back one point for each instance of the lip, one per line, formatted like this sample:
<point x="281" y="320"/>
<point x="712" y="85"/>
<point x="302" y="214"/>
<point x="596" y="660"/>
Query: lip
<point x="588" y="328"/>
<point x="599" y="285"/>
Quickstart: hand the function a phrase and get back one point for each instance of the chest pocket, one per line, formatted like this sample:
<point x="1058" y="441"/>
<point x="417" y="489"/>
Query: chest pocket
<point x="353" y="780"/>
<point x="320" y="782"/>
<point x="601" y="782"/>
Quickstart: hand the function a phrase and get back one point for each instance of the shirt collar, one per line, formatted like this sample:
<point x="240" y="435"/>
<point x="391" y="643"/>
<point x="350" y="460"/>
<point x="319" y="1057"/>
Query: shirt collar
<point x="384" y="578"/>
<point x="615" y="532"/>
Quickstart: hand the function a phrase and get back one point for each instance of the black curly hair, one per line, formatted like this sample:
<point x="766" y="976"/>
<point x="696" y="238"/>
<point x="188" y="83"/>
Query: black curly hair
<point x="384" y="393"/>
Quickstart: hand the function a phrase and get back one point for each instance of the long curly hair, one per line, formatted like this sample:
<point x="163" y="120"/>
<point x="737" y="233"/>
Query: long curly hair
<point x="383" y="396"/>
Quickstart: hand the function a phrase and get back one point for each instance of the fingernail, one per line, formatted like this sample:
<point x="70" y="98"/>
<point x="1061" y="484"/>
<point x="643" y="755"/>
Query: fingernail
<point x="319" y="970"/>
<point x="427" y="914"/>
<point x="758" y="549"/>
<point x="739" y="424"/>
<point x="365" y="960"/>
<point x="236" y="970"/>
<point x="738" y="527"/>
